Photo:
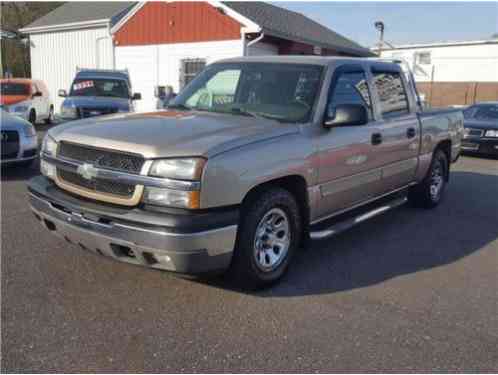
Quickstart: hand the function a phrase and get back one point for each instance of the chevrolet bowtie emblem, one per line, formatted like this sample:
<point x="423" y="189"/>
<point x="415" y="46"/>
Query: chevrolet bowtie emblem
<point x="87" y="171"/>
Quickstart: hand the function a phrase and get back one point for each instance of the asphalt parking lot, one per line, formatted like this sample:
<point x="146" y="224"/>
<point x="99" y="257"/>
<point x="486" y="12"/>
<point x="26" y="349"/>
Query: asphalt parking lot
<point x="412" y="290"/>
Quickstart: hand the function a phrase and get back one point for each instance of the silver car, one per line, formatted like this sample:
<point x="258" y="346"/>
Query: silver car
<point x="19" y="140"/>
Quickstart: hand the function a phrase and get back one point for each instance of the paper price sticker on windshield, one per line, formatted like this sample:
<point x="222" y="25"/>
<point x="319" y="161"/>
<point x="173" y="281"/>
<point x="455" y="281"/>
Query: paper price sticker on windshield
<point x="82" y="85"/>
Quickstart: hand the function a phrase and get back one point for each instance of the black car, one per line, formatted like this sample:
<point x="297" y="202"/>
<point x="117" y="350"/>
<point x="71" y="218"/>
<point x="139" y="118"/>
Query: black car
<point x="481" y="129"/>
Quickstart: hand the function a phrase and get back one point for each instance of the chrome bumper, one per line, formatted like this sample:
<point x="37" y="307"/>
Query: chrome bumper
<point x="188" y="253"/>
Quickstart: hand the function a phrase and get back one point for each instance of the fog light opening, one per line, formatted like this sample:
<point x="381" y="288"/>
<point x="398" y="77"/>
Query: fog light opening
<point x="149" y="258"/>
<point x="122" y="251"/>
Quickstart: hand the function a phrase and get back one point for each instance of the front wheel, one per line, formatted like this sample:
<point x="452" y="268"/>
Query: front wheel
<point x="269" y="234"/>
<point x="429" y="192"/>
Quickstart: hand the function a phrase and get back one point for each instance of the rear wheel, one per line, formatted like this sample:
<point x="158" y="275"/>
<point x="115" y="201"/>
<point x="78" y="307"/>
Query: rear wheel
<point x="429" y="192"/>
<point x="269" y="234"/>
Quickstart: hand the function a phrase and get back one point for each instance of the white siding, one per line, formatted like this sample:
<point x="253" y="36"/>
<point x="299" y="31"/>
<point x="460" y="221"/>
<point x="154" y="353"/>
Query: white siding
<point x="262" y="49"/>
<point x="55" y="56"/>
<point x="466" y="63"/>
<point x="154" y="65"/>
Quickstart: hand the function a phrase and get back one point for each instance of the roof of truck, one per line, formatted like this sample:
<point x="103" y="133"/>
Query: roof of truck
<point x="109" y="74"/>
<point x="303" y="59"/>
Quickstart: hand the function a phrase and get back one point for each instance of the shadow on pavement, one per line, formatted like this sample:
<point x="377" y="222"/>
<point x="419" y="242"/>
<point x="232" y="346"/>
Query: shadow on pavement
<point x="401" y="242"/>
<point x="19" y="172"/>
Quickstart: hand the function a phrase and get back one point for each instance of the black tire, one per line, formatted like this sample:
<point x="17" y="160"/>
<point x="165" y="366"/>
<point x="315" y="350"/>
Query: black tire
<point x="429" y="193"/>
<point x="50" y="118"/>
<point x="32" y="117"/>
<point x="246" y="268"/>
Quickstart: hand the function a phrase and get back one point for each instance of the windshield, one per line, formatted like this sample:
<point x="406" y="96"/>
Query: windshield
<point x="284" y="92"/>
<point x="484" y="112"/>
<point x="14" y="88"/>
<point x="116" y="88"/>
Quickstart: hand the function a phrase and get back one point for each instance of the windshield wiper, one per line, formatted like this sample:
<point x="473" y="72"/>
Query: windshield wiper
<point x="245" y="112"/>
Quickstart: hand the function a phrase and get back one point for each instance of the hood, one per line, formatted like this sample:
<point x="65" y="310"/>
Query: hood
<point x="477" y="124"/>
<point x="9" y="122"/>
<point x="171" y="133"/>
<point x="97" y="102"/>
<point x="12" y="99"/>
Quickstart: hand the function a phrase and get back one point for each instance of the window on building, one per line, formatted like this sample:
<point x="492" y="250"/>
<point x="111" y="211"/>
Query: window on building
<point x="392" y="94"/>
<point x="350" y="88"/>
<point x="189" y="69"/>
<point x="424" y="58"/>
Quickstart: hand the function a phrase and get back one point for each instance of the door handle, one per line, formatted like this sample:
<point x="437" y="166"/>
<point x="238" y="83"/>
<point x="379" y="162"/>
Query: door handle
<point x="410" y="133"/>
<point x="376" y="138"/>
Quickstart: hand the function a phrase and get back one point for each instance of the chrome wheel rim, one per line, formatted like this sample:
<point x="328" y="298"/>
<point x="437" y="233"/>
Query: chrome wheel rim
<point x="272" y="240"/>
<point x="437" y="181"/>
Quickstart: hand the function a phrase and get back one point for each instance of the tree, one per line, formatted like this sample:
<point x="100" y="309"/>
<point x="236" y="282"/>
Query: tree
<point x="14" y="16"/>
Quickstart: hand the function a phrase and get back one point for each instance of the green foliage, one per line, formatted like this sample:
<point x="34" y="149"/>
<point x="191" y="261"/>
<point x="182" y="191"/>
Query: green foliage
<point x="13" y="16"/>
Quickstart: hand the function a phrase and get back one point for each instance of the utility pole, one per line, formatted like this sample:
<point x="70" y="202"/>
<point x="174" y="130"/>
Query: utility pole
<point x="379" y="25"/>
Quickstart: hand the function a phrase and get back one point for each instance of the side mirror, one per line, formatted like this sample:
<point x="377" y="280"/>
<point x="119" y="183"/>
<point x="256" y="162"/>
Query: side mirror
<point x="37" y="94"/>
<point x="62" y="93"/>
<point x="346" y="115"/>
<point x="136" y="96"/>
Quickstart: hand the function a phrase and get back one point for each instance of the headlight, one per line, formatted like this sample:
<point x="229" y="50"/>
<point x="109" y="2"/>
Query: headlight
<point x="29" y="130"/>
<point x="47" y="169"/>
<point x="69" y="112"/>
<point x="49" y="146"/>
<point x="491" y="133"/>
<point x="181" y="169"/>
<point x="172" y="198"/>
<point x="19" y="109"/>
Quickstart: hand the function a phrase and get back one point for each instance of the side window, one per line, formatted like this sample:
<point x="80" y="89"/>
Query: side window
<point x="34" y="89"/>
<point x="392" y="94"/>
<point x="351" y="88"/>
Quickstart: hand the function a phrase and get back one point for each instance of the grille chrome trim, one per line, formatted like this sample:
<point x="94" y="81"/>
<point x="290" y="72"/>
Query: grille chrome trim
<point x="126" y="178"/>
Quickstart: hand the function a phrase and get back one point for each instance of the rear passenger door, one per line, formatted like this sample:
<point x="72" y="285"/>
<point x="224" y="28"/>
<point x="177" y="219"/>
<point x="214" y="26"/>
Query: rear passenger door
<point x="399" y="130"/>
<point x="349" y="169"/>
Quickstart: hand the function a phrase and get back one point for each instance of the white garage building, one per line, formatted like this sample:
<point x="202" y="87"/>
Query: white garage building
<point x="167" y="43"/>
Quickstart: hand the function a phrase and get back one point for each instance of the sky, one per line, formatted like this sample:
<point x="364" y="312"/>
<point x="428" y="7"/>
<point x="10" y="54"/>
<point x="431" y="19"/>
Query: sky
<point x="405" y="22"/>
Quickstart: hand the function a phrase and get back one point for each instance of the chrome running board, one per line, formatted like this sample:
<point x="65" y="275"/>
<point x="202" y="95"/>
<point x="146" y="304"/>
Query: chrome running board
<point x="346" y="224"/>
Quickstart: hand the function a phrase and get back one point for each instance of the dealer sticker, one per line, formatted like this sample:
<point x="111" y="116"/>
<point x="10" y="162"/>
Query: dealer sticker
<point x="82" y="85"/>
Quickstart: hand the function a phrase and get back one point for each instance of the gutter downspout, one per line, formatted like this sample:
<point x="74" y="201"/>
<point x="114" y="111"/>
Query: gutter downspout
<point x="252" y="42"/>
<point x="97" y="54"/>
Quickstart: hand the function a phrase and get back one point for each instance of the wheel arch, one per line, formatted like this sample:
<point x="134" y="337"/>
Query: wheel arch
<point x="294" y="184"/>
<point x="445" y="146"/>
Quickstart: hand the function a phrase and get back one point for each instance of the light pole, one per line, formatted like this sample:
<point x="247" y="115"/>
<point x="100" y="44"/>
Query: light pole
<point x="379" y="25"/>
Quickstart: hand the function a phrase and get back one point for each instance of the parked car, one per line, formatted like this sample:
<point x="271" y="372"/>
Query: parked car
<point x="26" y="98"/>
<point x="254" y="156"/>
<point x="19" y="140"/>
<point x="481" y="129"/>
<point x="96" y="92"/>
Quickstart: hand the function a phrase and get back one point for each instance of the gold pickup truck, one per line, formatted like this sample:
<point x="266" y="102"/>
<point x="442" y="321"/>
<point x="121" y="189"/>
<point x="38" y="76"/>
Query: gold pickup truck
<point x="253" y="158"/>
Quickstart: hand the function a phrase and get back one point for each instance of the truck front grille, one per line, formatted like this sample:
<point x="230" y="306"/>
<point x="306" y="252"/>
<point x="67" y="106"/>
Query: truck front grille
<point x="125" y="162"/>
<point x="97" y="185"/>
<point x="101" y="158"/>
<point x="90" y="112"/>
